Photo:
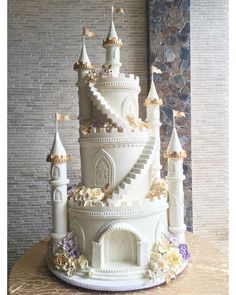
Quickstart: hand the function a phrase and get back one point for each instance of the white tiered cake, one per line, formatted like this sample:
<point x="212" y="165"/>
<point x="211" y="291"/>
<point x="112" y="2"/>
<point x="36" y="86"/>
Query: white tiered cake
<point x="123" y="227"/>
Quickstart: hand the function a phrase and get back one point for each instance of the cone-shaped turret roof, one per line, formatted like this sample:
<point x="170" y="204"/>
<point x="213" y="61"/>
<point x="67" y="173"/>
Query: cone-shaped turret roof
<point x="174" y="149"/>
<point x="84" y="61"/>
<point x="153" y="98"/>
<point x="112" y="32"/>
<point x="112" y="37"/>
<point x="57" y="147"/>
<point x="58" y="153"/>
<point x="152" y="94"/>
<point x="174" y="144"/>
<point x="84" y="55"/>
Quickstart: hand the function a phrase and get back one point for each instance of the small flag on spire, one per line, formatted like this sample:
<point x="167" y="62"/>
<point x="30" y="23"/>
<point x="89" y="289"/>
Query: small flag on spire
<point x="117" y="10"/>
<point x="155" y="70"/>
<point x="88" y="33"/>
<point x="178" y="114"/>
<point x="62" y="118"/>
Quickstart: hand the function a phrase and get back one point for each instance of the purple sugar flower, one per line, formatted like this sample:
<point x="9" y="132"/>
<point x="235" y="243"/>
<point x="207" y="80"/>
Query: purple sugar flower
<point x="171" y="239"/>
<point x="70" y="242"/>
<point x="183" y="250"/>
<point x="74" y="253"/>
<point x="66" y="247"/>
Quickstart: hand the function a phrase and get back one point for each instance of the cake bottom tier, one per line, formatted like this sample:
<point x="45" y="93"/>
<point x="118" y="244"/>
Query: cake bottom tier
<point x="127" y="279"/>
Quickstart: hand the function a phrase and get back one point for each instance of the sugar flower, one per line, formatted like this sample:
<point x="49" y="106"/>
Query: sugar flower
<point x="174" y="258"/>
<point x="67" y="257"/>
<point x="183" y="249"/>
<point x="158" y="189"/>
<point x="166" y="257"/>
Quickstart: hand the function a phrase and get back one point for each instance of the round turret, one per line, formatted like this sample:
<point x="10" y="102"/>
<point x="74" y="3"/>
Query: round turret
<point x="83" y="67"/>
<point x="175" y="155"/>
<point x="153" y="103"/>
<point x="58" y="158"/>
<point x="112" y="45"/>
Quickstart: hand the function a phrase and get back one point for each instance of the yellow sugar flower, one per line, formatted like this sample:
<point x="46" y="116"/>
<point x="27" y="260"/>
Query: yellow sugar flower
<point x="174" y="258"/>
<point x="82" y="262"/>
<point x="96" y="194"/>
<point x="60" y="259"/>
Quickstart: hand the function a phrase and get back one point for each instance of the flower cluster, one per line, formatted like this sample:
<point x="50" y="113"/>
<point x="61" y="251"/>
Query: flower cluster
<point x="82" y="194"/>
<point x="87" y="125"/>
<point x="137" y="122"/>
<point x="67" y="258"/>
<point x="158" y="189"/>
<point x="166" y="257"/>
<point x="94" y="74"/>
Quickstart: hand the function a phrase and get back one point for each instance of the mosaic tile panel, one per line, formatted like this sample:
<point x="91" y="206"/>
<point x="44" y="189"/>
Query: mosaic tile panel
<point x="169" y="38"/>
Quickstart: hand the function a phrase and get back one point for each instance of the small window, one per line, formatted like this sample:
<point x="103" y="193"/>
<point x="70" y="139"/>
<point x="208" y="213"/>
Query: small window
<point x="57" y="197"/>
<point x="55" y="172"/>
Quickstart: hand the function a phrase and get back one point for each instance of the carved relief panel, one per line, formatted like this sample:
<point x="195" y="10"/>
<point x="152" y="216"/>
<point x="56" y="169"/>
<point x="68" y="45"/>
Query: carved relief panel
<point x="103" y="169"/>
<point x="129" y="106"/>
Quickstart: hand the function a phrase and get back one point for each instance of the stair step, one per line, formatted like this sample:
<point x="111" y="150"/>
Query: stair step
<point x="147" y="151"/>
<point x="148" y="147"/>
<point x="121" y="186"/>
<point x="151" y="142"/>
<point x="132" y="175"/>
<point x="142" y="161"/>
<point x="144" y="156"/>
<point x="136" y="170"/>
<point x="127" y="180"/>
<point x="139" y="165"/>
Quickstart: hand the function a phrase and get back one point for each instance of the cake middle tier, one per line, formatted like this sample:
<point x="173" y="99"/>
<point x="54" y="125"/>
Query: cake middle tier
<point x="109" y="157"/>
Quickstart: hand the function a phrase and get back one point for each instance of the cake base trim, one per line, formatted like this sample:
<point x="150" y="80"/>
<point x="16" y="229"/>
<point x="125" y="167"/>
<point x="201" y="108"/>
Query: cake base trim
<point x="100" y="285"/>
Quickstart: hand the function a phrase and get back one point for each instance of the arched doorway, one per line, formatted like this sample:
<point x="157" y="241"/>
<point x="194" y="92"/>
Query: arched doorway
<point x="120" y="247"/>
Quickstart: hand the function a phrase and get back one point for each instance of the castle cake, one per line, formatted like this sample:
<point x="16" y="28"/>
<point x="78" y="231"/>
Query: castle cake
<point x="123" y="227"/>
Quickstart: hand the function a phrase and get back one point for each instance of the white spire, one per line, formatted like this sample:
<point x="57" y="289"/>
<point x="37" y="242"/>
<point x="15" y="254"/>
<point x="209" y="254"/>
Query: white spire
<point x="84" y="55"/>
<point x="57" y="147"/>
<point x="112" y="32"/>
<point x="174" y="144"/>
<point x="152" y="94"/>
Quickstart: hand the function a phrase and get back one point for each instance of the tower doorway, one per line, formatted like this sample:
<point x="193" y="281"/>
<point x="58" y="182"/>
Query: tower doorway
<point x="120" y="248"/>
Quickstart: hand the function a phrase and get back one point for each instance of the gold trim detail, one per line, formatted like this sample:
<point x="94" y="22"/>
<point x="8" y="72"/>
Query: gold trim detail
<point x="112" y="41"/>
<point x="174" y="155"/>
<point x="81" y="66"/>
<point x="153" y="101"/>
<point x="58" y="158"/>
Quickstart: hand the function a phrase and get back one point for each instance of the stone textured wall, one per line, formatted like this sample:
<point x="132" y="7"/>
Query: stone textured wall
<point x="44" y="42"/>
<point x="209" y="68"/>
<point x="170" y="52"/>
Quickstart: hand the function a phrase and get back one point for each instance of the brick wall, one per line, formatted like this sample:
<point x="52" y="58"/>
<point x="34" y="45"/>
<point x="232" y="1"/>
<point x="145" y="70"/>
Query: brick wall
<point x="209" y="81"/>
<point x="44" y="42"/>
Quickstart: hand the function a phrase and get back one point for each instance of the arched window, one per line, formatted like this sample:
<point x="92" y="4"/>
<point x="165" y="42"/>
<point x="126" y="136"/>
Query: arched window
<point x="57" y="197"/>
<point x="55" y="172"/>
<point x="129" y="106"/>
<point x="104" y="170"/>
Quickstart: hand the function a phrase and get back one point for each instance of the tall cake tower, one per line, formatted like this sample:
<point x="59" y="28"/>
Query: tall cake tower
<point x="175" y="155"/>
<point x="58" y="158"/>
<point x="120" y="215"/>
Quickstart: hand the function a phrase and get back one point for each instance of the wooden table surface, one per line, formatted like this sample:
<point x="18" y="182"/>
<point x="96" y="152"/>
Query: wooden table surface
<point x="206" y="274"/>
